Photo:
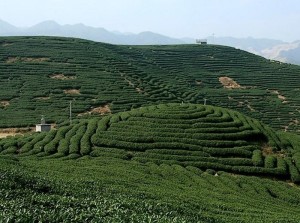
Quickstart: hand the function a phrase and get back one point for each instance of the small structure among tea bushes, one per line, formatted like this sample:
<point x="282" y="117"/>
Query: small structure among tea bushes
<point x="43" y="127"/>
<point x="201" y="41"/>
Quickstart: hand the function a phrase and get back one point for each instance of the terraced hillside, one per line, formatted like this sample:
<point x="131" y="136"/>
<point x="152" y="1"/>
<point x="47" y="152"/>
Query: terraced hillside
<point x="40" y="75"/>
<point x="201" y="136"/>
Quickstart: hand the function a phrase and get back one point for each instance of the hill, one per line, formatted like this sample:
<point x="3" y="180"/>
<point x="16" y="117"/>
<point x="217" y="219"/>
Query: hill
<point x="268" y="48"/>
<point x="162" y="163"/>
<point x="205" y="137"/>
<point x="41" y="75"/>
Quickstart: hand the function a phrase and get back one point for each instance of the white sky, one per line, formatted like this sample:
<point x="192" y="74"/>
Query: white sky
<point x="276" y="19"/>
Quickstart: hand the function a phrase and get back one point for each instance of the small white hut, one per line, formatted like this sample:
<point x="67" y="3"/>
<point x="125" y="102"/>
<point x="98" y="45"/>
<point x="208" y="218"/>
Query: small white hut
<point x="43" y="127"/>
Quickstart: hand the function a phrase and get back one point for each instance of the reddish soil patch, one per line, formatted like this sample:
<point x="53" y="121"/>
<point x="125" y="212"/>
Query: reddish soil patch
<point x="229" y="83"/>
<point x="72" y="91"/>
<point x="102" y="110"/>
<point x="62" y="77"/>
<point x="4" y="103"/>
<point x="26" y="59"/>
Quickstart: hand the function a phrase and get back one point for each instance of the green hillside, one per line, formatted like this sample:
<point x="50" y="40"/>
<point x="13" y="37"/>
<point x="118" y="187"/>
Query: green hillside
<point x="162" y="163"/>
<point x="40" y="75"/>
<point x="201" y="136"/>
<point x="141" y="146"/>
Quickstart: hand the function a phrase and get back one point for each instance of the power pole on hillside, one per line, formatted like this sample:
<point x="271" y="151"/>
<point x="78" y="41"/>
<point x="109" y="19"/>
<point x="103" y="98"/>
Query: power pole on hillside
<point x="70" y="112"/>
<point x="205" y="101"/>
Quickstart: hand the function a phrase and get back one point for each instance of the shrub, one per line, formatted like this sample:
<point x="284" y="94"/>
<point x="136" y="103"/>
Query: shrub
<point x="294" y="173"/>
<point x="270" y="162"/>
<point x="257" y="158"/>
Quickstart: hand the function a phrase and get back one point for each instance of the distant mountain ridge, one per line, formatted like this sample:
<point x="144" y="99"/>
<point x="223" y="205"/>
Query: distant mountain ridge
<point x="51" y="28"/>
<point x="269" y="48"/>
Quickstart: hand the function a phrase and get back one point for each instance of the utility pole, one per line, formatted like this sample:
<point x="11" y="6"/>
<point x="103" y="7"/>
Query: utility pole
<point x="205" y="101"/>
<point x="70" y="112"/>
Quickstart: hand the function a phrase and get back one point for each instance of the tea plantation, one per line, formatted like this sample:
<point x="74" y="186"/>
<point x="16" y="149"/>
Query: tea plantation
<point x="40" y="75"/>
<point x="162" y="163"/>
<point x="141" y="146"/>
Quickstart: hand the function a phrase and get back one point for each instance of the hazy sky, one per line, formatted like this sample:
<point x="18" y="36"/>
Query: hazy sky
<point x="277" y="19"/>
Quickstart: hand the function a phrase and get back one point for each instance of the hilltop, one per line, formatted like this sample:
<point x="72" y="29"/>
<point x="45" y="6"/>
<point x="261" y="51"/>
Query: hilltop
<point x="40" y="75"/>
<point x="268" y="48"/>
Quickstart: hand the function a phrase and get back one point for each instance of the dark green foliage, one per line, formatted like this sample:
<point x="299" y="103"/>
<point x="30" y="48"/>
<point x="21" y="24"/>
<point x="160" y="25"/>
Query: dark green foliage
<point x="51" y="147"/>
<point x="9" y="150"/>
<point x="63" y="147"/>
<point x="114" y="190"/>
<point x="296" y="158"/>
<point x="126" y="77"/>
<point x="27" y="148"/>
<point x="75" y="140"/>
<point x="39" y="146"/>
<point x="205" y="137"/>
<point x="257" y="158"/>
<point x="281" y="164"/>
<point x="270" y="161"/>
<point x="295" y="176"/>
<point x="85" y="142"/>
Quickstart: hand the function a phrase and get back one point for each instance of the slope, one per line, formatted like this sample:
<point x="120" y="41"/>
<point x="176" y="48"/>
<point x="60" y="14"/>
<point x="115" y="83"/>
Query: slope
<point x="205" y="137"/>
<point x="162" y="163"/>
<point x="40" y="75"/>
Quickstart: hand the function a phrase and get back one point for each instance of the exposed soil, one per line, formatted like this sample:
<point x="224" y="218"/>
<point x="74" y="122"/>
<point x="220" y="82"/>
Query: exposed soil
<point x="295" y="122"/>
<point x="251" y="109"/>
<point x="72" y="91"/>
<point x="26" y="59"/>
<point x="62" y="77"/>
<point x="280" y="96"/>
<point x="229" y="83"/>
<point x="7" y="44"/>
<point x="293" y="185"/>
<point x="267" y="150"/>
<point x="102" y="110"/>
<point x="4" y="103"/>
<point x="14" y="131"/>
<point x="198" y="82"/>
<point x="244" y="103"/>
<point x="42" y="98"/>
<point x="129" y="82"/>
<point x="139" y="90"/>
